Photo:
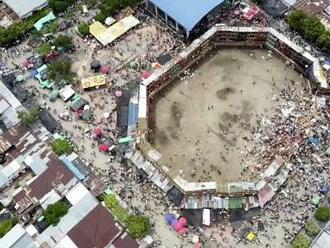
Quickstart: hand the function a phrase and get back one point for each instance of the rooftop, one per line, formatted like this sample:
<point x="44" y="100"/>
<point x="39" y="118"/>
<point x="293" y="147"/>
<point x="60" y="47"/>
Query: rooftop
<point x="23" y="8"/>
<point x="186" y="12"/>
<point x="97" y="229"/>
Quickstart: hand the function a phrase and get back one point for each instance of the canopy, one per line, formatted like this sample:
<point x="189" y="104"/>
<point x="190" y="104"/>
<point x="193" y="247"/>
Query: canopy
<point x="118" y="93"/>
<point x="173" y="223"/>
<point x="19" y="78"/>
<point x="183" y="221"/>
<point x="178" y="226"/>
<point x="105" y="69"/>
<point x="103" y="148"/>
<point x="183" y="231"/>
<point x="95" y="64"/>
<point x="251" y="13"/>
<point x="169" y="217"/>
<point x="251" y="236"/>
<point x="98" y="131"/>
<point x="146" y="74"/>
<point x="186" y="12"/>
<point x="316" y="200"/>
<point x="47" y="18"/>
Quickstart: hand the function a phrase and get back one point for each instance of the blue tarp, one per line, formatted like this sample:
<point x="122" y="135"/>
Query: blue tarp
<point x="187" y="12"/>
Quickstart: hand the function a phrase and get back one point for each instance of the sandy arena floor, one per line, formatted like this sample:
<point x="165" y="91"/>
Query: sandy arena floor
<point x="203" y="124"/>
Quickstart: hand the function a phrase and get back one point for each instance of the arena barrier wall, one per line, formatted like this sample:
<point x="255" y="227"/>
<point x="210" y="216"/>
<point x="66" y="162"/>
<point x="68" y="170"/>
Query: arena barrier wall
<point x="212" y="194"/>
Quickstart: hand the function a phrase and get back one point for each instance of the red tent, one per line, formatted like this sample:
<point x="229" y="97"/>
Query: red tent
<point x="105" y="69"/>
<point x="98" y="132"/>
<point x="103" y="148"/>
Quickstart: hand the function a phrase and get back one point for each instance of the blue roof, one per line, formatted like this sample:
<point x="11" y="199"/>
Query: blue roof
<point x="73" y="169"/>
<point x="187" y="12"/>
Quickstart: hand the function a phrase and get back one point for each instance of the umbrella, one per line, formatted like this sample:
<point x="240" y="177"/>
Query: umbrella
<point x="103" y="148"/>
<point x="173" y="223"/>
<point x="198" y="245"/>
<point x="178" y="226"/>
<point x="105" y="69"/>
<point x="183" y="231"/>
<point x="118" y="93"/>
<point x="19" y="78"/>
<point x="95" y="65"/>
<point x="183" y="221"/>
<point x="195" y="239"/>
<point x="316" y="200"/>
<point x="169" y="217"/>
<point x="98" y="132"/>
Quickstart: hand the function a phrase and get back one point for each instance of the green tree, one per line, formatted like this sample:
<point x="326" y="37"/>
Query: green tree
<point x="59" y="6"/>
<point x="54" y="212"/>
<point x="61" y="146"/>
<point x="138" y="226"/>
<point x="63" y="41"/>
<point x="324" y="41"/>
<point x="322" y="214"/>
<point x="60" y="70"/>
<point x="83" y="29"/>
<point x="312" y="28"/>
<point x="17" y="31"/>
<point x="301" y="241"/>
<point x="28" y="117"/>
<point x="100" y="17"/>
<point x="44" y="49"/>
<point x="296" y="20"/>
<point x="6" y="225"/>
<point x="312" y="228"/>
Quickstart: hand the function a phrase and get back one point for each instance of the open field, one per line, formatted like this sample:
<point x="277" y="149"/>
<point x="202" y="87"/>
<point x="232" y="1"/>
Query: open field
<point x="202" y="125"/>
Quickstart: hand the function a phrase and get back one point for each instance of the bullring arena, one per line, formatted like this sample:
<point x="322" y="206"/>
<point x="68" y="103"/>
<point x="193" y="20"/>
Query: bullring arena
<point x="196" y="113"/>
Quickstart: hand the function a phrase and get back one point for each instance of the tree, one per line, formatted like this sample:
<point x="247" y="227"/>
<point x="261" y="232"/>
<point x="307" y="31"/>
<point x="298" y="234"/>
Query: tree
<point x="259" y="2"/>
<point x="64" y="41"/>
<point x="54" y="212"/>
<point x="296" y="20"/>
<point x="322" y="214"/>
<point x="61" y="146"/>
<point x="301" y="241"/>
<point x="138" y="226"/>
<point x="324" y="41"/>
<point x="59" y="6"/>
<point x="28" y="117"/>
<point x="312" y="28"/>
<point x="312" y="228"/>
<point x="60" y="70"/>
<point x="83" y="29"/>
<point x="6" y="225"/>
<point x="44" y="49"/>
<point x="100" y="17"/>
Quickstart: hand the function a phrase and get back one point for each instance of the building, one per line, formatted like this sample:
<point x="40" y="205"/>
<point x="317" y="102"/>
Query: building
<point x="184" y="15"/>
<point x="322" y="240"/>
<point x="27" y="160"/>
<point x="17" y="237"/>
<point x="25" y="8"/>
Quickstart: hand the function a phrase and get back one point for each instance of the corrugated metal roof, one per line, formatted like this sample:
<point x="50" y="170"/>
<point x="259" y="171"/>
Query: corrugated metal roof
<point x="186" y="12"/>
<point x="23" y="8"/>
